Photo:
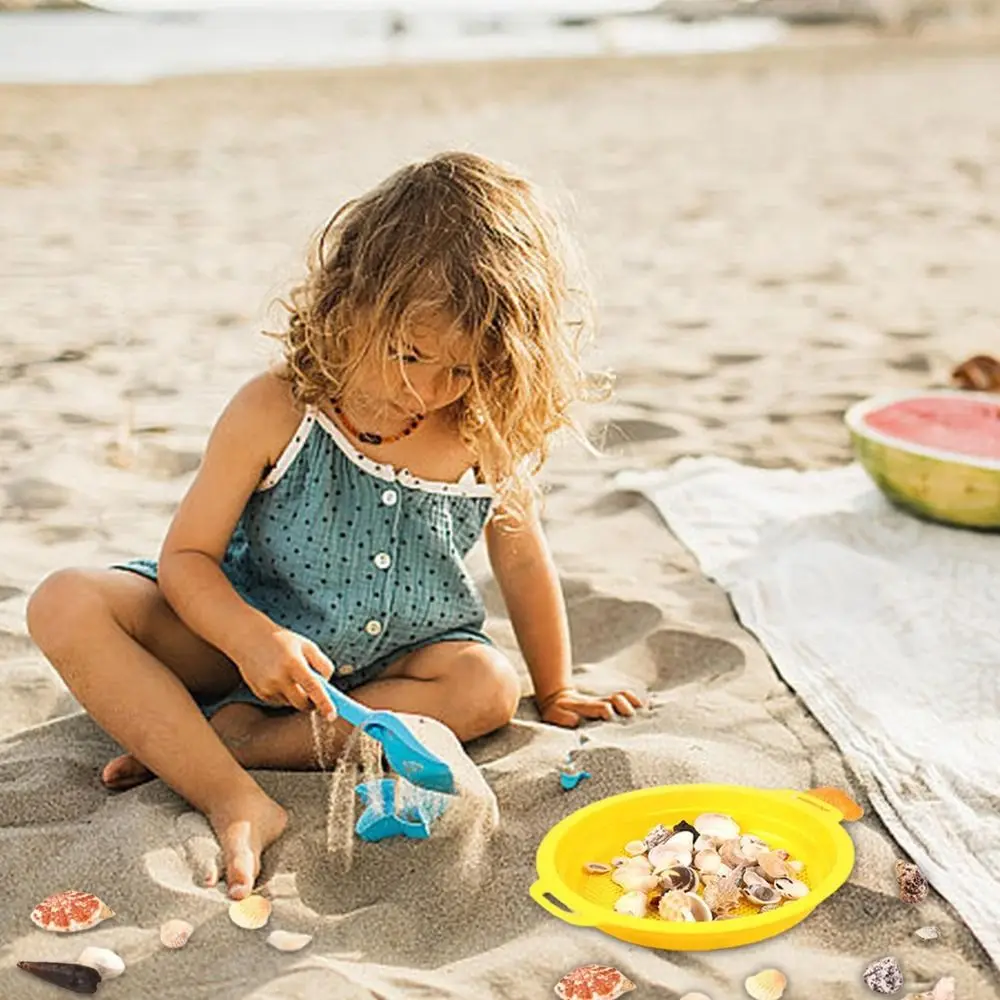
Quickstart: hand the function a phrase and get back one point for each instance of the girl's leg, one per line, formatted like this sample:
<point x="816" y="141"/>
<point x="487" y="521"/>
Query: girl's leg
<point x="129" y="661"/>
<point x="469" y="686"/>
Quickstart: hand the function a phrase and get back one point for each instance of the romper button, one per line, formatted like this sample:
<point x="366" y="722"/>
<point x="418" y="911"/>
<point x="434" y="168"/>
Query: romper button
<point x="389" y="498"/>
<point x="374" y="627"/>
<point x="383" y="560"/>
<point x="345" y="668"/>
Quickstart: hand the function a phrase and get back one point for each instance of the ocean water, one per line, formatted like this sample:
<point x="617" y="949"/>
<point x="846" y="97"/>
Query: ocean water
<point x="138" y="43"/>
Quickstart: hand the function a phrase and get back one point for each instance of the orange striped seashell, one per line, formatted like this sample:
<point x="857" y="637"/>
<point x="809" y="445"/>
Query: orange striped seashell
<point x="251" y="913"/>
<point x="70" y="911"/>
<point x="768" y="984"/>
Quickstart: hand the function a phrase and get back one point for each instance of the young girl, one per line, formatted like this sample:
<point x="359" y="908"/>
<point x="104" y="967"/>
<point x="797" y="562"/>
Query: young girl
<point x="427" y="361"/>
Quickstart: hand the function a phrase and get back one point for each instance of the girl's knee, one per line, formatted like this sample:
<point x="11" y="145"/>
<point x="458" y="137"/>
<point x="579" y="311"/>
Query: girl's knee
<point x="62" y="602"/>
<point x="494" y="686"/>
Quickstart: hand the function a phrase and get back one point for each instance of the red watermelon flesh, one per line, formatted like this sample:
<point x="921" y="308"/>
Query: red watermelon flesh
<point x="963" y="426"/>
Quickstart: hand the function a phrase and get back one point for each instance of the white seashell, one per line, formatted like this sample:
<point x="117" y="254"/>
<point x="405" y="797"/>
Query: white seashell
<point x="927" y="933"/>
<point x="105" y="961"/>
<point x="797" y="866"/>
<point x="699" y="908"/>
<point x="632" y="904"/>
<point x="766" y="985"/>
<point x="752" y="878"/>
<point x="752" y="847"/>
<point x="696" y="996"/>
<point x="251" y="913"/>
<point x="619" y="860"/>
<point x="717" y="825"/>
<point x="175" y="933"/>
<point x="791" y="888"/>
<point x="703" y="843"/>
<point x="639" y="864"/>
<point x="287" y="941"/>
<point x="632" y="880"/>
<point x="708" y="862"/>
<point x="944" y="989"/>
<point x="664" y="857"/>
<point x="682" y="842"/>
<point x="635" y="847"/>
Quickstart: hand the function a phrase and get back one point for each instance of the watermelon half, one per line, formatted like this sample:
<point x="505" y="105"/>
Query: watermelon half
<point x="935" y="453"/>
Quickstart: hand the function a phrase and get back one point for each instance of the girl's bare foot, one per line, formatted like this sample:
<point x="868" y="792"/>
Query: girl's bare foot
<point x="246" y="827"/>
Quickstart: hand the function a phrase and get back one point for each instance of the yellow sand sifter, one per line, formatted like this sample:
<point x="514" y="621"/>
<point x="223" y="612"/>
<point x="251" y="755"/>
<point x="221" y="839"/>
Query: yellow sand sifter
<point x="805" y="826"/>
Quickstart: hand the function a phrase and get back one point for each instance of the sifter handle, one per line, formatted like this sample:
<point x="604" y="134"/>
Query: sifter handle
<point x="547" y="901"/>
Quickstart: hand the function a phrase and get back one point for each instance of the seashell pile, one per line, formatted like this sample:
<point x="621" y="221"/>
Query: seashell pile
<point x="700" y="872"/>
<point x="593" y="982"/>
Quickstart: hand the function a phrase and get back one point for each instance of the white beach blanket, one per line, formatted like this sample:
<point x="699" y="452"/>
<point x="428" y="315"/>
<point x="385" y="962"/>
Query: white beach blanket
<point x="889" y="630"/>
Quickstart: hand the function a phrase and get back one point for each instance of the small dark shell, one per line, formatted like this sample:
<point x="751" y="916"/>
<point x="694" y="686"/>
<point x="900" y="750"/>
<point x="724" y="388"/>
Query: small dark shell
<point x="68" y="975"/>
<point x="685" y="827"/>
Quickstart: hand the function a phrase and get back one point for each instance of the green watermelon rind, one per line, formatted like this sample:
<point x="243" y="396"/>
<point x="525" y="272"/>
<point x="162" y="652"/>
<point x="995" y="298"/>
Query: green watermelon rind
<point x="937" y="485"/>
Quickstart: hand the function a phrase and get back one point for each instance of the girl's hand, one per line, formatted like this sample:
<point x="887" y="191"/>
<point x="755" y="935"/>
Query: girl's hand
<point x="568" y="706"/>
<point x="280" y="670"/>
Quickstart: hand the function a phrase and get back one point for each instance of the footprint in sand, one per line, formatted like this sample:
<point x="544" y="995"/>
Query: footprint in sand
<point x="686" y="657"/>
<point x="603" y="626"/>
<point x="194" y="865"/>
<point x="31" y="495"/>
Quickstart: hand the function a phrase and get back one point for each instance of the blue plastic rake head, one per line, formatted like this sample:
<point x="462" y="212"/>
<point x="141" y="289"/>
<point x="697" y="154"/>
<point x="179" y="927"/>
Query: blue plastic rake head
<point x="406" y="754"/>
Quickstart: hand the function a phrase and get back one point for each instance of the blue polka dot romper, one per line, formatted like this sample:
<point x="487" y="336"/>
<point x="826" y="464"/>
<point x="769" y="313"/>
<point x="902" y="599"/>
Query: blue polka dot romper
<point x="365" y="560"/>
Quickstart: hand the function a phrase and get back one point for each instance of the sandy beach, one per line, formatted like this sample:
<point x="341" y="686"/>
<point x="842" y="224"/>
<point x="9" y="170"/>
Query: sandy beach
<point x="771" y="236"/>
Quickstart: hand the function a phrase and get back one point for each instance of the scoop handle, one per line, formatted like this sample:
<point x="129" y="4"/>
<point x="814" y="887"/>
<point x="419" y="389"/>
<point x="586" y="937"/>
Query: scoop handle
<point x="351" y="711"/>
<point x="545" y="899"/>
<point x="832" y="813"/>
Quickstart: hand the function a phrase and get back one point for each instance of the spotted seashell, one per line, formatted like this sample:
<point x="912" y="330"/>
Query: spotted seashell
<point x="632" y="879"/>
<point x="913" y="886"/>
<point x="768" y="984"/>
<point x="684" y="879"/>
<point x="109" y="964"/>
<point x="884" y="976"/>
<point x="250" y="913"/>
<point x="676" y="907"/>
<point x="632" y="904"/>
<point x="287" y="941"/>
<point x="593" y="982"/>
<point x="635" y="847"/>
<point x="597" y="868"/>
<point x="175" y="934"/>
<point x="717" y="825"/>
<point x="660" y="834"/>
<point x="70" y="911"/>
<point x="791" y="888"/>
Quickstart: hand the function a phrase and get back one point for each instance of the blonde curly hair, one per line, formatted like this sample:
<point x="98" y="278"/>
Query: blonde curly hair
<point x="460" y="236"/>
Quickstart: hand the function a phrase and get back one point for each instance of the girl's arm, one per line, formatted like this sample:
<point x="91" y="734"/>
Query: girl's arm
<point x="250" y="434"/>
<point x="529" y="582"/>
